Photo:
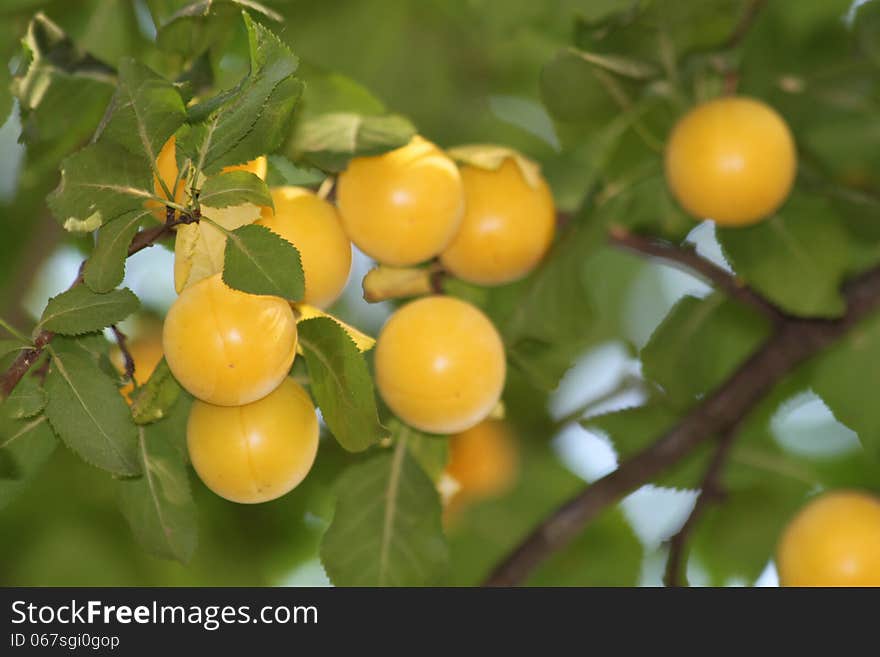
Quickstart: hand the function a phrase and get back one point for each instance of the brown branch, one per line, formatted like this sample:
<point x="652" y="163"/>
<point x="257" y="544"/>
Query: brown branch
<point x="793" y="341"/>
<point x="710" y="491"/>
<point x="745" y="23"/>
<point x="122" y="342"/>
<point x="23" y="362"/>
<point x="692" y="262"/>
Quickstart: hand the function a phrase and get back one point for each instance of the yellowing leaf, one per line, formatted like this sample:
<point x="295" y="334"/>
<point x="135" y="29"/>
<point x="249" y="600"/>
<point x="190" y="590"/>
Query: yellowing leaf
<point x="304" y="311"/>
<point x="491" y="157"/>
<point x="199" y="248"/>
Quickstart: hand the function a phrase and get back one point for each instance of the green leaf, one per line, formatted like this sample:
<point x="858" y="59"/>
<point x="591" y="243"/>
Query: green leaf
<point x="341" y="383"/>
<point x="114" y="175"/>
<point x="143" y="113"/>
<point x="259" y="261"/>
<point x="91" y="193"/>
<point x="797" y="259"/>
<point x="8" y="346"/>
<point x="105" y="268"/>
<point x="847" y="378"/>
<point x="699" y="345"/>
<point x="607" y="553"/>
<point x="250" y="120"/>
<point x="197" y="26"/>
<point x="736" y="538"/>
<point x="53" y="77"/>
<point x="430" y="451"/>
<point x="573" y="91"/>
<point x="646" y="206"/>
<point x="234" y="188"/>
<point x="89" y="414"/>
<point x="284" y="172"/>
<point x="331" y="140"/>
<point x="548" y="318"/>
<point x="28" y="443"/>
<point x="27" y="399"/>
<point x="8" y="466"/>
<point x="158" y="505"/>
<point x="79" y="310"/>
<point x="152" y="401"/>
<point x="386" y="529"/>
<point x="633" y="429"/>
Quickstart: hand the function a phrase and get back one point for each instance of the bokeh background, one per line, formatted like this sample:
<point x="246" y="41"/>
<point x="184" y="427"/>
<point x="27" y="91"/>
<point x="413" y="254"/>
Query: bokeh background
<point x="462" y="71"/>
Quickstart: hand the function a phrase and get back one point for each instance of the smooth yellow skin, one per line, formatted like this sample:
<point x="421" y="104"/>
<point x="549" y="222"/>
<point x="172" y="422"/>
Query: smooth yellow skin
<point x="732" y="160"/>
<point x="313" y="226"/>
<point x="440" y="364"/>
<point x="508" y="226"/>
<point x="833" y="541"/>
<point x="483" y="460"/>
<point x="402" y="207"/>
<point x="227" y="347"/>
<point x="256" y="452"/>
<point x="166" y="163"/>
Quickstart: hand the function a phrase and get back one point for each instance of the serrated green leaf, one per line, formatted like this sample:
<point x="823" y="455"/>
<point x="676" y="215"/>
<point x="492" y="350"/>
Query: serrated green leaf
<point x="331" y="140"/>
<point x="154" y="400"/>
<point x="235" y="188"/>
<point x="341" y="383"/>
<point x="79" y="310"/>
<point x="847" y="379"/>
<point x="29" y="443"/>
<point x="259" y="261"/>
<point x="386" y="529"/>
<point x="91" y="193"/>
<point x="89" y="415"/>
<point x="607" y="553"/>
<point x="631" y="430"/>
<point x="797" y="258"/>
<point x="250" y="120"/>
<point x="143" y="113"/>
<point x="27" y="399"/>
<point x="699" y="344"/>
<point x="114" y="175"/>
<point x="284" y="172"/>
<point x="197" y="26"/>
<point x="158" y="505"/>
<point x="105" y="268"/>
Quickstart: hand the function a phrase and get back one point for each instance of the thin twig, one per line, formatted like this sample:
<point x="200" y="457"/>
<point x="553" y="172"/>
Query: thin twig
<point x="710" y="491"/>
<point x="691" y="261"/>
<point x="122" y="342"/>
<point x="745" y="23"/>
<point x="793" y="341"/>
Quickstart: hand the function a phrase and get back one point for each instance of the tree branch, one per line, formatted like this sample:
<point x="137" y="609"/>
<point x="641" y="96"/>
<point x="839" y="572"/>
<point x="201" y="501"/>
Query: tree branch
<point x="710" y="491"/>
<point x="23" y="362"/>
<point x="793" y="341"/>
<point x="692" y="262"/>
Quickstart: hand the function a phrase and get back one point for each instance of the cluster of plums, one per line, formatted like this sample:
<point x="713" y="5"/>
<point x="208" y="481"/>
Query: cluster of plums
<point x="440" y="364"/>
<point x="439" y="361"/>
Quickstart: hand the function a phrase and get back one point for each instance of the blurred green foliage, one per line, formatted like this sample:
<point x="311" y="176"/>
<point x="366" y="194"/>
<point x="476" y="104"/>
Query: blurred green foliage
<point x="589" y="89"/>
